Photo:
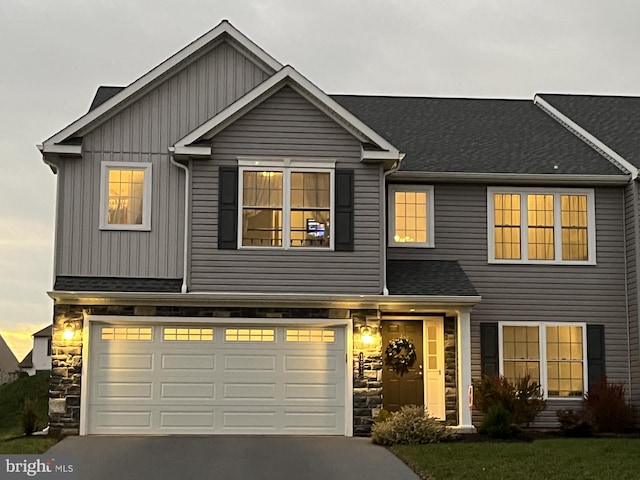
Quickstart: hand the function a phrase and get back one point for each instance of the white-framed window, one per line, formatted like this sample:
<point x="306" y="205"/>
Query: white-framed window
<point x="541" y="225"/>
<point x="553" y="354"/>
<point x="316" y="335"/>
<point x="125" y="196"/>
<point x="187" y="334"/>
<point x="249" y="335"/>
<point x="411" y="216"/>
<point x="126" y="333"/>
<point x="285" y="203"/>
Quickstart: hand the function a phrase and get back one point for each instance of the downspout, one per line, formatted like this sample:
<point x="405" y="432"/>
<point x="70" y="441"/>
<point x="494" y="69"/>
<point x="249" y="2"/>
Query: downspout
<point x="55" y="170"/>
<point x="393" y="169"/>
<point x="185" y="257"/>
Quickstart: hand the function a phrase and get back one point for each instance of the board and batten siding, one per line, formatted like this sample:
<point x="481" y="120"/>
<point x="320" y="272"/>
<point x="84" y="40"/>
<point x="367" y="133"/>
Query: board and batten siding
<point x="285" y="125"/>
<point x="142" y="132"/>
<point x="525" y="292"/>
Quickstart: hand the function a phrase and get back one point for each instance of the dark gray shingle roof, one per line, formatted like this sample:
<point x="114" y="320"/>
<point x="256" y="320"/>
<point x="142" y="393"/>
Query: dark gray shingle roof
<point x="117" y="284"/>
<point x="103" y="94"/>
<point x="45" y="332"/>
<point x="476" y="135"/>
<point x="613" y="120"/>
<point x="428" y="277"/>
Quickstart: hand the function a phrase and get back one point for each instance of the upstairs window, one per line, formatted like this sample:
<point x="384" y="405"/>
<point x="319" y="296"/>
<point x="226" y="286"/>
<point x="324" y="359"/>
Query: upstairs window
<point x="286" y="204"/>
<point x="411" y="216"/>
<point x="125" y="196"/>
<point x="541" y="226"/>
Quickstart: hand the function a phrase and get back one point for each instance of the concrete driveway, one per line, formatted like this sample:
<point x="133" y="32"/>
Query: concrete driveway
<point x="231" y="458"/>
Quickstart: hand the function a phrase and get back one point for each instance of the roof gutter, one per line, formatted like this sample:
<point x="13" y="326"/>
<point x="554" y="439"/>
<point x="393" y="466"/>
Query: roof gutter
<point x="599" y="146"/>
<point x="185" y="252"/>
<point x="385" y="234"/>
<point x="383" y="302"/>
<point x="514" y="178"/>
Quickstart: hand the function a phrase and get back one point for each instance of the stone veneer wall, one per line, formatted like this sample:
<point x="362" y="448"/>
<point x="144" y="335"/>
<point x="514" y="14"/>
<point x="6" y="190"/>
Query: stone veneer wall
<point x="450" y="371"/>
<point x="66" y="372"/>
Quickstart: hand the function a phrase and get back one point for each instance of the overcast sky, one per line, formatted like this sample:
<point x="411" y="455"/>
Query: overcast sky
<point x="55" y="53"/>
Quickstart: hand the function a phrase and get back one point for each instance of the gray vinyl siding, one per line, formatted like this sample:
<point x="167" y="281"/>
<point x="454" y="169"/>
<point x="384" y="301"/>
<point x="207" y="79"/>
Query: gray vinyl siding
<point x="285" y="125"/>
<point x="631" y="213"/>
<point x="518" y="292"/>
<point x="142" y="132"/>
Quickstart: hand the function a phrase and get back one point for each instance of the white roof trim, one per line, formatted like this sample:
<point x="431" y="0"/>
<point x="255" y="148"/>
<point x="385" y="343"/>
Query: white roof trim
<point x="585" y="135"/>
<point x="61" y="149"/>
<point x="384" y="302"/>
<point x="302" y="86"/>
<point x="191" y="151"/>
<point x="222" y="28"/>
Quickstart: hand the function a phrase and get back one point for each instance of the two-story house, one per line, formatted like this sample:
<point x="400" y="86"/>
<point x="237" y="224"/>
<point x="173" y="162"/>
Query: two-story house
<point x="236" y="249"/>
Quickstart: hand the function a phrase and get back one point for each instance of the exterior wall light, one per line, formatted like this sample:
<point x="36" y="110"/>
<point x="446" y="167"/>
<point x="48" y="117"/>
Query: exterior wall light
<point x="366" y="335"/>
<point x="69" y="329"/>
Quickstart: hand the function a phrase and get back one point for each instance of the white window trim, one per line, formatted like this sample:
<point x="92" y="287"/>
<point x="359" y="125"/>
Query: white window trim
<point x="542" y="345"/>
<point x="524" y="244"/>
<point x="430" y="243"/>
<point x="286" y="166"/>
<point x="146" y="195"/>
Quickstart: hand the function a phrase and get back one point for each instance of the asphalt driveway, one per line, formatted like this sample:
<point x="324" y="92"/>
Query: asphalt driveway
<point x="231" y="458"/>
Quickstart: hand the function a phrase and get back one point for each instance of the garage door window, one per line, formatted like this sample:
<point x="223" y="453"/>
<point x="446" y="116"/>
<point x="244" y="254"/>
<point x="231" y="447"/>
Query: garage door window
<point x="188" y="334"/>
<point x="249" y="335"/>
<point x="311" y="336"/>
<point x="126" y="333"/>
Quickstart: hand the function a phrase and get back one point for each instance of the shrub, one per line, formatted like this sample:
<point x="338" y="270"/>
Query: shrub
<point x="522" y="399"/>
<point x="29" y="415"/>
<point x="606" y="407"/>
<point x="383" y="416"/>
<point x="410" y="425"/>
<point x="574" y="423"/>
<point x="497" y="423"/>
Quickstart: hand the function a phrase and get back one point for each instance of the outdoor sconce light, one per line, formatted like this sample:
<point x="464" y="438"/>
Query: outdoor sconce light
<point x="366" y="335"/>
<point x="69" y="329"/>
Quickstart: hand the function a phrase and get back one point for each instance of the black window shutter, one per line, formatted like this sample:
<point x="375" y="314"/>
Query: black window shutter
<point x="595" y="353"/>
<point x="228" y="208"/>
<point x="343" y="228"/>
<point x="489" y="361"/>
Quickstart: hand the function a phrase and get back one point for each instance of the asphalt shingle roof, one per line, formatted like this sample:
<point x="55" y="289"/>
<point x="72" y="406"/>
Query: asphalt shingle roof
<point x="103" y="94"/>
<point x="613" y="120"/>
<point x="428" y="277"/>
<point x="476" y="135"/>
<point x="117" y="284"/>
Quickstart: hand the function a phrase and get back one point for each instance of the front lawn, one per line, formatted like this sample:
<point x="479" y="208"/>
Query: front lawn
<point x="562" y="458"/>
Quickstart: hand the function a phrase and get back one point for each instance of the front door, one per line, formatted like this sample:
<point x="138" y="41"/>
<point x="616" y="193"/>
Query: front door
<point x="407" y="389"/>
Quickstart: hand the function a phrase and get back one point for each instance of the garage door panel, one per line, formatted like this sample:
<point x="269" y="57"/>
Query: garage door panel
<point x="215" y="386"/>
<point x="188" y="362"/>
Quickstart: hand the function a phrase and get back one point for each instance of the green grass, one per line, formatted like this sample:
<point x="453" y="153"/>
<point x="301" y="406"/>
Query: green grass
<point x="12" y="396"/>
<point x="562" y="458"/>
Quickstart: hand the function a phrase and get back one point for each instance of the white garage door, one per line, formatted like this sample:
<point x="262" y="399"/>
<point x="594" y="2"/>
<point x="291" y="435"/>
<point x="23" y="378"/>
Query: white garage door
<point x="163" y="379"/>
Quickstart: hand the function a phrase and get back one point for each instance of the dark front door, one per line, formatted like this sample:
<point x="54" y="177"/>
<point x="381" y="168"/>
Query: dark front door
<point x="407" y="389"/>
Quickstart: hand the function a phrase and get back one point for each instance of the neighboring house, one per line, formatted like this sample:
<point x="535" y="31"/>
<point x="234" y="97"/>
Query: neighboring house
<point x="39" y="358"/>
<point x="8" y="363"/>
<point x="235" y="249"/>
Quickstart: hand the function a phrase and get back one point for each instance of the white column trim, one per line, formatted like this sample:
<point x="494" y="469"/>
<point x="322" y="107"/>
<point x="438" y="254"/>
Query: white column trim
<point x="463" y="347"/>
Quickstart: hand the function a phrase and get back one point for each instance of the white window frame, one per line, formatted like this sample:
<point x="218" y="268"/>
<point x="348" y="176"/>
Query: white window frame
<point x="286" y="166"/>
<point x="428" y="189"/>
<point x="557" y="226"/>
<point x="106" y="167"/>
<point x="542" y="345"/>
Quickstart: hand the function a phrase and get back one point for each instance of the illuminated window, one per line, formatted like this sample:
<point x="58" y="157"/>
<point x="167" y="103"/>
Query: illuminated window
<point x="552" y="354"/>
<point x="125" y="196"/>
<point x="411" y="216"/>
<point x="541" y="226"/>
<point x="249" y="335"/>
<point x="286" y="206"/>
<point x="310" y="335"/>
<point x="188" y="334"/>
<point x="126" y="333"/>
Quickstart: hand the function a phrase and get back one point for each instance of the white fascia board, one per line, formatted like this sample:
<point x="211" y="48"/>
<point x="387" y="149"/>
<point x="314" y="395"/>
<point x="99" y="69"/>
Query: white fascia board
<point x="223" y="27"/>
<point x="384" y="302"/>
<point x="191" y="151"/>
<point x="60" y="149"/>
<point x="590" y="139"/>
<point x="304" y="87"/>
<point x="513" y="178"/>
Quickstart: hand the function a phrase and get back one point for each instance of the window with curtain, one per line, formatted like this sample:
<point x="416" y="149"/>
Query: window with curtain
<point x="541" y="226"/>
<point x="286" y="208"/>
<point x="125" y="196"/>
